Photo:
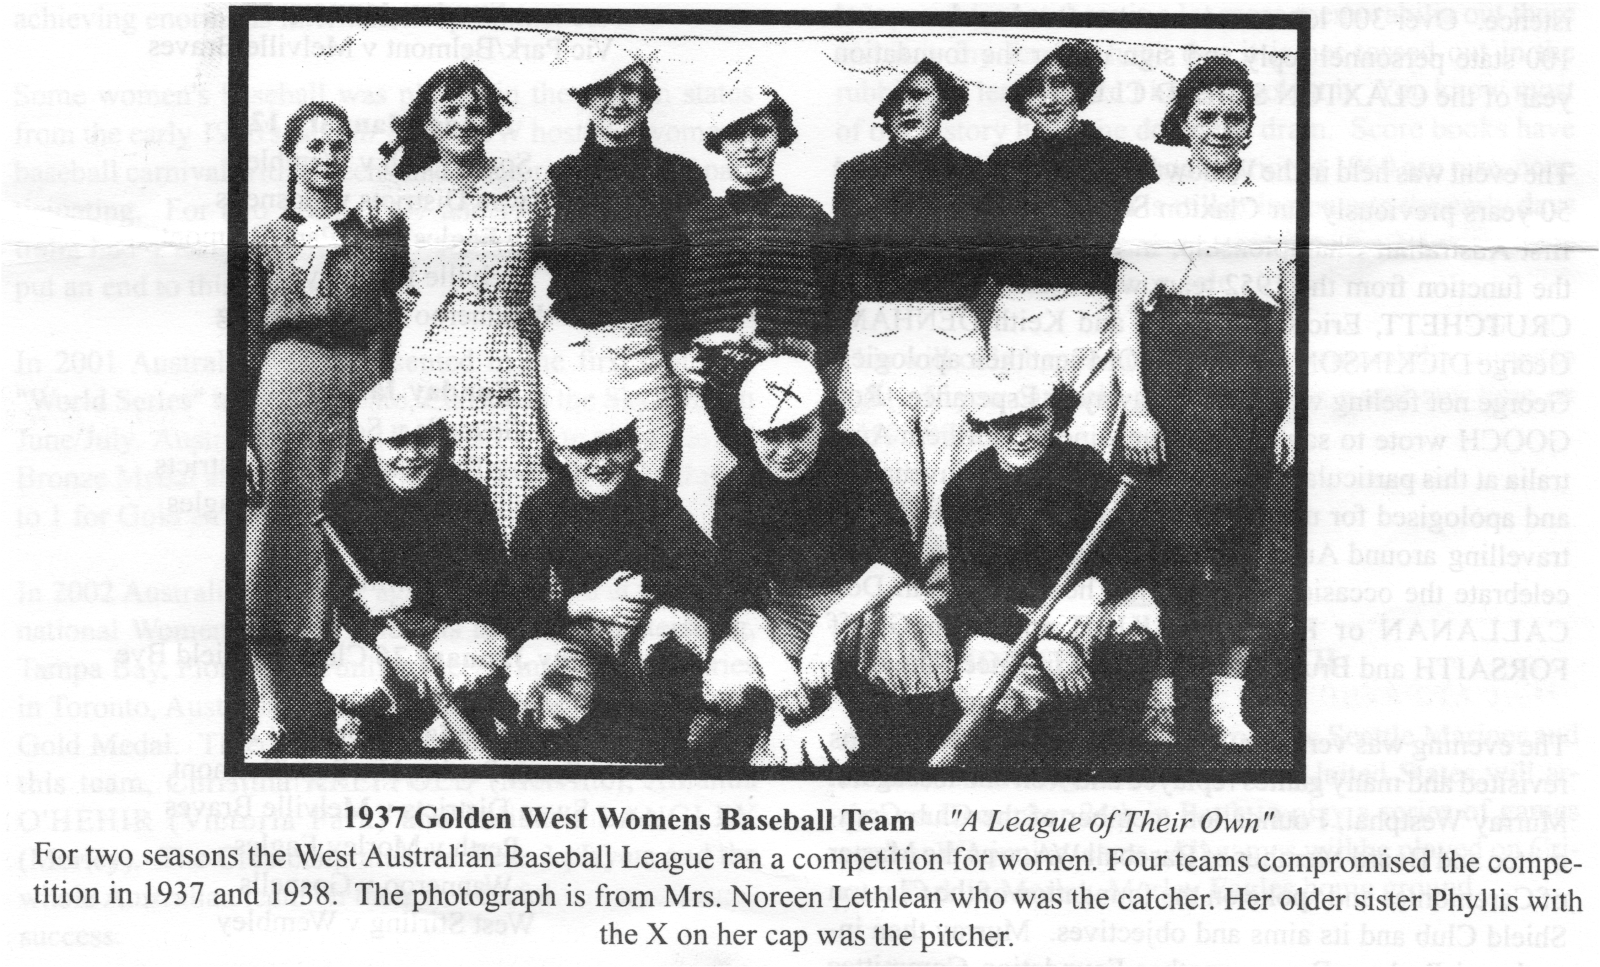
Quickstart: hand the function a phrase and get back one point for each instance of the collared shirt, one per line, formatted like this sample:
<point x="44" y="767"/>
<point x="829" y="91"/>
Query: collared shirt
<point x="579" y="542"/>
<point x="1013" y="532"/>
<point x="441" y="540"/>
<point x="355" y="300"/>
<point x="617" y="247"/>
<point x="767" y="251"/>
<point x="910" y="219"/>
<point x="1057" y="202"/>
<point x="1192" y="237"/>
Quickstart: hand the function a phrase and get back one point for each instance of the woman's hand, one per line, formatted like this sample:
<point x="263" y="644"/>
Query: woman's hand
<point x="1081" y="616"/>
<point x="1142" y="442"/>
<point x="382" y="600"/>
<point x="691" y="369"/>
<point x="816" y="662"/>
<point x="1283" y="444"/>
<point x="618" y="600"/>
<point x="788" y="694"/>
<point x="1072" y="671"/>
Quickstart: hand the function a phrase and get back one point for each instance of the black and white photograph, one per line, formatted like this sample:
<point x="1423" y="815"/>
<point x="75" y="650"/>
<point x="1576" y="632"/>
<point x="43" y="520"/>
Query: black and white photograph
<point x="781" y="395"/>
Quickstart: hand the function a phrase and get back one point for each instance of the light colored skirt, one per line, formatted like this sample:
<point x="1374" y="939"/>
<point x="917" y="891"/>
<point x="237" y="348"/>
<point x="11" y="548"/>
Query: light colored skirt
<point x="1068" y="331"/>
<point x="489" y="372"/>
<point x="305" y="435"/>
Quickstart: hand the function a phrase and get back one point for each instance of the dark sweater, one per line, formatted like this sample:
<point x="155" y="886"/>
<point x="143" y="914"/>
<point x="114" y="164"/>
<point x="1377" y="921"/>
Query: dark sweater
<point x="820" y="531"/>
<point x="767" y="250"/>
<point x="1013" y="533"/>
<point x="579" y="542"/>
<point x="617" y="247"/>
<point x="1057" y="206"/>
<point x="441" y="540"/>
<point x="911" y="221"/>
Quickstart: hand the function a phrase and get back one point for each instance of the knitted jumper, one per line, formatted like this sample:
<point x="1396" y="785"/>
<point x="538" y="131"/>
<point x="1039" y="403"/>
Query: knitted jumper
<point x="769" y="251"/>
<point x="912" y="222"/>
<point x="1057" y="205"/>
<point x="617" y="247"/>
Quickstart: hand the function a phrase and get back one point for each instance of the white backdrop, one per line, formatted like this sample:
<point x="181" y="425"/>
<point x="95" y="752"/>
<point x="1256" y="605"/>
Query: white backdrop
<point x="832" y="84"/>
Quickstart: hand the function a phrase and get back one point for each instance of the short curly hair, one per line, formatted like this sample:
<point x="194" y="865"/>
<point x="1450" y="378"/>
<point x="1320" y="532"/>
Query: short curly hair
<point x="1078" y="59"/>
<point x="1205" y="74"/>
<point x="410" y="128"/>
<point x="782" y="118"/>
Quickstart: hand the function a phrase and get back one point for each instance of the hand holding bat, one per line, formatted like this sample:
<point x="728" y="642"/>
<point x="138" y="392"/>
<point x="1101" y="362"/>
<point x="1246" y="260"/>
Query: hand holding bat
<point x="412" y="664"/>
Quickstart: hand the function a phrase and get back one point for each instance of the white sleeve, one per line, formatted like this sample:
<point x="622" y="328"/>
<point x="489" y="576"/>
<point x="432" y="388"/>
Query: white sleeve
<point x="1148" y="242"/>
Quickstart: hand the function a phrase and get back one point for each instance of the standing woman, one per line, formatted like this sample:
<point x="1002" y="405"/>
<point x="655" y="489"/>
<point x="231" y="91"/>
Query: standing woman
<point x="476" y="225"/>
<point x="1059" y="198"/>
<point x="910" y="215"/>
<point x="1205" y="332"/>
<point x="617" y="255"/>
<point x="322" y="324"/>
<point x="758" y="253"/>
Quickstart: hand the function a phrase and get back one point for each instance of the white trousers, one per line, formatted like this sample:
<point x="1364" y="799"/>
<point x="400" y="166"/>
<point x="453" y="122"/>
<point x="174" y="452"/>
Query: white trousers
<point x="705" y="462"/>
<point x="630" y="357"/>
<point x="1067" y="332"/>
<point x="905" y="386"/>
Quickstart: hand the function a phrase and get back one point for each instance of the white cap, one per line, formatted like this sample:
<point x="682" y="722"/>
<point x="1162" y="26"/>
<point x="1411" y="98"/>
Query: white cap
<point x="394" y="408"/>
<point x="746" y="100"/>
<point x="578" y="417"/>
<point x="999" y="393"/>
<point x="779" y="391"/>
<point x="589" y="71"/>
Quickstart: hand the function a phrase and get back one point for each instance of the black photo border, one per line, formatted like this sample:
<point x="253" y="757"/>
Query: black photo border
<point x="237" y="718"/>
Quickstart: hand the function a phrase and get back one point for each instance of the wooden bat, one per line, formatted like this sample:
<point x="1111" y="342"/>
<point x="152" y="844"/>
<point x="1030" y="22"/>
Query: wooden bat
<point x="957" y="745"/>
<point x="422" y="673"/>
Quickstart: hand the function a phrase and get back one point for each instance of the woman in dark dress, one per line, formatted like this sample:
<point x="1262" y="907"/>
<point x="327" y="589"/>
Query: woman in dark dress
<point x="323" y="319"/>
<point x="1205" y="329"/>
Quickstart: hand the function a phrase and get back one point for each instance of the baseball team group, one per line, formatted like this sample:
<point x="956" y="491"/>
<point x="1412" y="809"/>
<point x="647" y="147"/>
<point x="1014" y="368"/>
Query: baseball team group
<point x="766" y="482"/>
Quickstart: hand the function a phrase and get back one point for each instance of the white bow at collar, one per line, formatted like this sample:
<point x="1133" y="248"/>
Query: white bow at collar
<point x="317" y="237"/>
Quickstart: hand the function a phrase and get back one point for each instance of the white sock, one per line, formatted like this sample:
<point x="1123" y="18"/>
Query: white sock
<point x="1161" y="695"/>
<point x="1226" y="691"/>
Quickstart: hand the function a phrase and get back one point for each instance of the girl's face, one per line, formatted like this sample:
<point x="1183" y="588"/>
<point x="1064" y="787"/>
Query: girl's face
<point x="408" y="462"/>
<point x="919" y="114"/>
<point x="1019" y="441"/>
<point x="1053" y="108"/>
<point x="619" y="106"/>
<point x="459" y="125"/>
<point x="600" y="467"/>
<point x="1218" y="127"/>
<point x="322" y="155"/>
<point x="789" y="451"/>
<point x="751" y="150"/>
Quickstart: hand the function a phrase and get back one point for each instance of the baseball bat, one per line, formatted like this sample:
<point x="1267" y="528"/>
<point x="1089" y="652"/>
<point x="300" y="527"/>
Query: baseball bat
<point x="431" y="686"/>
<point x="957" y="745"/>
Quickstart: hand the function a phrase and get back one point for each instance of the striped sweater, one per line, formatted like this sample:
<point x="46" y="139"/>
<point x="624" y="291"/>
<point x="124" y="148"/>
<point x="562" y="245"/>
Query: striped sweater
<point x="770" y="251"/>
